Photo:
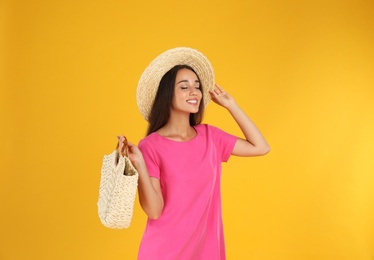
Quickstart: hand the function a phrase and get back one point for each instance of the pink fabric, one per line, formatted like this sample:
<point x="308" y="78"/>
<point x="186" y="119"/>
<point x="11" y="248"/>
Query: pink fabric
<point x="190" y="226"/>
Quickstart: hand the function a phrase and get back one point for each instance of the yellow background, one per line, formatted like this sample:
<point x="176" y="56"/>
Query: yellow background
<point x="303" y="71"/>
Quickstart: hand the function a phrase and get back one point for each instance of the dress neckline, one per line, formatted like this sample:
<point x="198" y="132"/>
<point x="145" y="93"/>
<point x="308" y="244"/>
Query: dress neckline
<point x="175" y="141"/>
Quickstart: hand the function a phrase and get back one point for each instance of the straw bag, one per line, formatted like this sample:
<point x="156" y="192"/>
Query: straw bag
<point x="118" y="184"/>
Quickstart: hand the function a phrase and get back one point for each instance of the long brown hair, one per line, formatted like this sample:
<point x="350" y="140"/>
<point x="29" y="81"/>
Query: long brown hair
<point x="160" y="112"/>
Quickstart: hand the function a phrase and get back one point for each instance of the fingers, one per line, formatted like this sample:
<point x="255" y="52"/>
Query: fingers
<point x="132" y="147"/>
<point x="121" y="145"/>
<point x="121" y="138"/>
<point x="130" y="144"/>
<point x="217" y="91"/>
<point x="218" y="87"/>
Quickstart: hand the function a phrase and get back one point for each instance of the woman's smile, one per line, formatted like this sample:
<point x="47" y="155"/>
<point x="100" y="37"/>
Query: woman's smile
<point x="194" y="102"/>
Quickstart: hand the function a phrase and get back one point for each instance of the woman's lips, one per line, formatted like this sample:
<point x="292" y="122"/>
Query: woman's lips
<point x="192" y="101"/>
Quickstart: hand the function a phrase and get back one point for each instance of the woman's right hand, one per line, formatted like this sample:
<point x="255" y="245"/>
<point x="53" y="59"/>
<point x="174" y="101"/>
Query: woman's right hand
<point x="134" y="153"/>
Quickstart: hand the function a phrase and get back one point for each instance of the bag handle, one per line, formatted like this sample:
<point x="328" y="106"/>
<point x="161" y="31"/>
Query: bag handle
<point x="128" y="171"/>
<point x="125" y="149"/>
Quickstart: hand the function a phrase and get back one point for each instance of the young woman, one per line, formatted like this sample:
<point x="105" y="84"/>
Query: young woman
<point x="179" y="161"/>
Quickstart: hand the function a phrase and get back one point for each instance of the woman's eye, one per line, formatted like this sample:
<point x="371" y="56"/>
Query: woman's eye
<point x="187" y="87"/>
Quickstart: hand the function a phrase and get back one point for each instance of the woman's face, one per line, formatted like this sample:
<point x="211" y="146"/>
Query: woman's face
<point x="187" y="92"/>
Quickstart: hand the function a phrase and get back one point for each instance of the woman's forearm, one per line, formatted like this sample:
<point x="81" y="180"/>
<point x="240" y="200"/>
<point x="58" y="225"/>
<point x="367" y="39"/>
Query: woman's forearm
<point x="249" y="129"/>
<point x="255" y="144"/>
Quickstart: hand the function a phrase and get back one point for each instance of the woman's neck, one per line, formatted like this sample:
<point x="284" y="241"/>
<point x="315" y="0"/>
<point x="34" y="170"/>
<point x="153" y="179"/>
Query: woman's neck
<point x="178" y="128"/>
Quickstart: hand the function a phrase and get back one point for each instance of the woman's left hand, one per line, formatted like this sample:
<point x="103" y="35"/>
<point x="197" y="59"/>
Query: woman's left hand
<point x="221" y="97"/>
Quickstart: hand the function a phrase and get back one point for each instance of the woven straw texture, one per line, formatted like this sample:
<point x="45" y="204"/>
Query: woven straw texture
<point x="117" y="191"/>
<point x="151" y="77"/>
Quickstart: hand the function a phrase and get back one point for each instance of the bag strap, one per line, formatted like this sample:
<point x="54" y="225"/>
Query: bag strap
<point x="125" y="148"/>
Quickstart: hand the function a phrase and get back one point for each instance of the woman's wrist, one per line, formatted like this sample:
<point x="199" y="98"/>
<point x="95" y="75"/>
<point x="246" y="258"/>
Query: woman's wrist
<point x="139" y="165"/>
<point x="231" y="106"/>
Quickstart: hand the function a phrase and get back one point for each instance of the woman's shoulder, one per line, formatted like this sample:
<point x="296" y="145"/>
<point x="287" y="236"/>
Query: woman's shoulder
<point x="211" y="131"/>
<point x="149" y="139"/>
<point x="205" y="128"/>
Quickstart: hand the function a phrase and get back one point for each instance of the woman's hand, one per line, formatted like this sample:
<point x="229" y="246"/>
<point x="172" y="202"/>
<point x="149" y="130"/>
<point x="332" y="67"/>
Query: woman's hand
<point x="134" y="154"/>
<point x="221" y="97"/>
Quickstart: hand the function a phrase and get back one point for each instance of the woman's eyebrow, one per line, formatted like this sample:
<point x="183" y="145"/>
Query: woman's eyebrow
<point x="185" y="80"/>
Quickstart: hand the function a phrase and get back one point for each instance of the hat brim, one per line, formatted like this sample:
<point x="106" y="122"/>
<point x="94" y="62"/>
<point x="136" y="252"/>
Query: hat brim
<point x="151" y="77"/>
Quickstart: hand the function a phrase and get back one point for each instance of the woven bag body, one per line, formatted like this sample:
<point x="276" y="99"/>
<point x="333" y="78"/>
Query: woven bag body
<point x="117" y="192"/>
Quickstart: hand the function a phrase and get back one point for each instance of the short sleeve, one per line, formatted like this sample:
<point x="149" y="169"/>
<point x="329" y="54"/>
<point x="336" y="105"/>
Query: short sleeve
<point x="223" y="141"/>
<point x="151" y="159"/>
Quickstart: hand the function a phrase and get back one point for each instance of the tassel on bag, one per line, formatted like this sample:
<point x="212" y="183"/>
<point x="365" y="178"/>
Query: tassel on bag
<point x="118" y="184"/>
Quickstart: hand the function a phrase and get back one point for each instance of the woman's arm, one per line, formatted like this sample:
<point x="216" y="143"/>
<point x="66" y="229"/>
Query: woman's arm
<point x="255" y="143"/>
<point x="150" y="195"/>
<point x="149" y="188"/>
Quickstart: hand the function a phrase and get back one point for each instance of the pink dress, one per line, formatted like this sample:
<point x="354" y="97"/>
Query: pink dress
<point x="190" y="226"/>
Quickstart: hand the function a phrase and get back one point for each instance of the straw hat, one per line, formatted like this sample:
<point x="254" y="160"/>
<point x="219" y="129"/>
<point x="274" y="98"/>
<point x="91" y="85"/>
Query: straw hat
<point x="151" y="77"/>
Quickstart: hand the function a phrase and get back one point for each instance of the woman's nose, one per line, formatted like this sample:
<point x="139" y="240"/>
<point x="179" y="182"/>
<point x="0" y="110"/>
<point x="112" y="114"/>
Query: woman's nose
<point x="193" y="92"/>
